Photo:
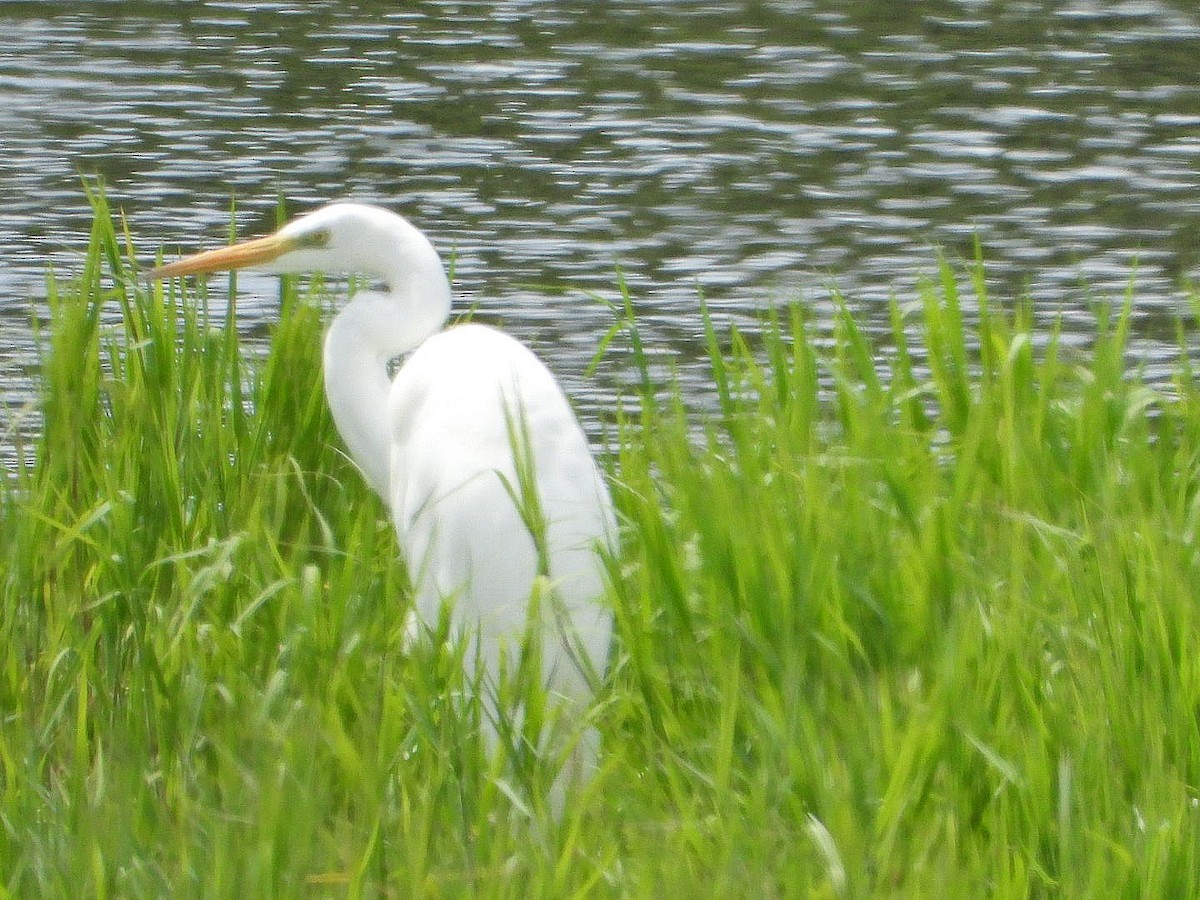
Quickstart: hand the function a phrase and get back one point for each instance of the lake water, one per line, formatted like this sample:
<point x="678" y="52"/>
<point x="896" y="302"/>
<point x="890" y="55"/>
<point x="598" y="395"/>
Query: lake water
<point x="754" y="151"/>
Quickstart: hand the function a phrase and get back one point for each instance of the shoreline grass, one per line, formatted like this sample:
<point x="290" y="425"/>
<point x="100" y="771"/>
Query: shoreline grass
<point x="883" y="629"/>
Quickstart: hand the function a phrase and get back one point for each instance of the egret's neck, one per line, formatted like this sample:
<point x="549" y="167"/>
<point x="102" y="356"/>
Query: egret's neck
<point x="369" y="332"/>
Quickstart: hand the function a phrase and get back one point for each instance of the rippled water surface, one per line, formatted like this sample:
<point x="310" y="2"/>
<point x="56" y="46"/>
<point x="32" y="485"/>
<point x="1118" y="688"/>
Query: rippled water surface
<point x="752" y="151"/>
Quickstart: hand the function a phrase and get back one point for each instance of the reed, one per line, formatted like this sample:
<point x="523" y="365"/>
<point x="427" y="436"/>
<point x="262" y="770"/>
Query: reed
<point x="910" y="616"/>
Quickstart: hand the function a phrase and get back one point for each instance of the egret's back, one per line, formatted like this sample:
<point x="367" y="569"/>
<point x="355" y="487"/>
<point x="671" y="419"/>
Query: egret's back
<point x="465" y="514"/>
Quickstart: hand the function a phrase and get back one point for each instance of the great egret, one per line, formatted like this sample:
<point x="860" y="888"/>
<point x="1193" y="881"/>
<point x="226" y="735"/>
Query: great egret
<point x="472" y="445"/>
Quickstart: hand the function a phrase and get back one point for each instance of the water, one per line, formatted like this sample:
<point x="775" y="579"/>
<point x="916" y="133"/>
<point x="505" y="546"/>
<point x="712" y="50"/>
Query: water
<point x="754" y="151"/>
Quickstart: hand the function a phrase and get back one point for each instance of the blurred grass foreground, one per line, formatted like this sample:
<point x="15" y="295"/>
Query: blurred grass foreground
<point x="910" y="620"/>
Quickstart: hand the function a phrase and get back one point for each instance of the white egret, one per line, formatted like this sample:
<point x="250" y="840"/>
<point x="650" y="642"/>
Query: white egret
<point x="472" y="445"/>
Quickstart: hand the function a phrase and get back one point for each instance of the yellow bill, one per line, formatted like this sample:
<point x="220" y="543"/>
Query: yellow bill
<point x="237" y="256"/>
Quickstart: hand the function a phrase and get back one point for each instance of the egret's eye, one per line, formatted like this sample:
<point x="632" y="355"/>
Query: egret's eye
<point x="315" y="239"/>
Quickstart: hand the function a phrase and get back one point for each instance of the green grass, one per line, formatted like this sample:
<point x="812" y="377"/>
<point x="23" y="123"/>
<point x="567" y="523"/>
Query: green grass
<point x="908" y="620"/>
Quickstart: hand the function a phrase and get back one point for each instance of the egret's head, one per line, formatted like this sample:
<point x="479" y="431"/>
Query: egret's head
<point x="342" y="237"/>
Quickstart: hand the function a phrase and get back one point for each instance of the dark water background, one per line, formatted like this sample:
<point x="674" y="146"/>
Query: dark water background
<point x="752" y="151"/>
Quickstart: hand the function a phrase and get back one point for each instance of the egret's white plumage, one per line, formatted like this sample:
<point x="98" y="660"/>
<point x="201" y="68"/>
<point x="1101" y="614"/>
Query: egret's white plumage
<point x="437" y="442"/>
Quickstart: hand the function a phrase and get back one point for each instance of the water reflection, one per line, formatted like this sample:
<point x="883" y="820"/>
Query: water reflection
<point x="753" y="150"/>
